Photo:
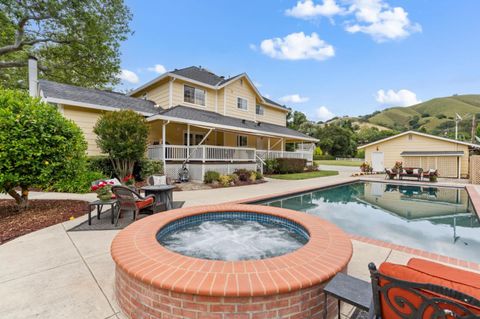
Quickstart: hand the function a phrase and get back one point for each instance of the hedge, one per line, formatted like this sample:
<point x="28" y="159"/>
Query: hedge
<point x="323" y="157"/>
<point x="291" y="165"/>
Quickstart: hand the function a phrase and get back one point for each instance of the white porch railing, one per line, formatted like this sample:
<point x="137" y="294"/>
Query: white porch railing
<point x="205" y="153"/>
<point x="264" y="154"/>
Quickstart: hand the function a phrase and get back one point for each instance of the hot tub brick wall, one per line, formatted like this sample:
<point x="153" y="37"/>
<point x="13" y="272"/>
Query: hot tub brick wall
<point x="141" y="301"/>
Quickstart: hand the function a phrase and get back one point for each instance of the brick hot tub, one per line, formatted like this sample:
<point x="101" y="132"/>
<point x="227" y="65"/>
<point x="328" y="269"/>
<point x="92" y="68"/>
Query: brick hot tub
<point x="154" y="282"/>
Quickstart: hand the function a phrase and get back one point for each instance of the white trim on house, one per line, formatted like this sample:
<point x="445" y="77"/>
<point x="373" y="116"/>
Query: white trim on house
<point x="213" y="87"/>
<point x="226" y="127"/>
<point x="420" y="134"/>
<point x="88" y="105"/>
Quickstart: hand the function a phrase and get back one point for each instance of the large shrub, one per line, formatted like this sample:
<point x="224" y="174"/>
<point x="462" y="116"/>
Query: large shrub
<point x="291" y="165"/>
<point x="210" y="177"/>
<point x="123" y="136"/>
<point x="270" y="166"/>
<point x="38" y="146"/>
<point x="148" y="167"/>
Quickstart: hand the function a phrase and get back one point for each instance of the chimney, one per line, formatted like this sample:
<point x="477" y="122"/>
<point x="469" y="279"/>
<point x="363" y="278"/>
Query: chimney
<point x="33" y="76"/>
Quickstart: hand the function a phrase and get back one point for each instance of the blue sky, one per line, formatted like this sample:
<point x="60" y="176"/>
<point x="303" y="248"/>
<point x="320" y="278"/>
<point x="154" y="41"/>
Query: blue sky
<point x="321" y="57"/>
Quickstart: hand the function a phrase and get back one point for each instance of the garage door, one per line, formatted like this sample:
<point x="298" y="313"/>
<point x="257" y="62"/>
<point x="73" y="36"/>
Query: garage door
<point x="447" y="166"/>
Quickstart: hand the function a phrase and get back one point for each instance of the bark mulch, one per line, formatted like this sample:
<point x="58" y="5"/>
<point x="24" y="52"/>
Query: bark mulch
<point x="39" y="214"/>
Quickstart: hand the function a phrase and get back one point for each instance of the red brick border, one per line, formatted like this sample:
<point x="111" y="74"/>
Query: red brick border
<point x="146" y="272"/>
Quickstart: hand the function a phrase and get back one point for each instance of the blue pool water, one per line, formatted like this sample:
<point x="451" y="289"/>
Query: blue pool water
<point x="439" y="220"/>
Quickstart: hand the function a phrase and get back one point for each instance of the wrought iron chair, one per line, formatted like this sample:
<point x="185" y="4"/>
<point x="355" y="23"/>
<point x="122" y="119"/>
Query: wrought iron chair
<point x="394" y="298"/>
<point x="129" y="199"/>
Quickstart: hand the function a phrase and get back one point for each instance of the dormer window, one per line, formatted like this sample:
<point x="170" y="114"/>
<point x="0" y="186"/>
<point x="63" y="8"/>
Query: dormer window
<point x="260" y="110"/>
<point x="193" y="95"/>
<point x="242" y="103"/>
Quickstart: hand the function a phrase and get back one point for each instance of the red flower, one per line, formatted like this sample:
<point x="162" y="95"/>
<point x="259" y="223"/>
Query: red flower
<point x="94" y="187"/>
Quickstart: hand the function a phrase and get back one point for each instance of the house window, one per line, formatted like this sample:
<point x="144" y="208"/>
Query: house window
<point x="193" y="95"/>
<point x="260" y="110"/>
<point x="242" y="141"/>
<point x="242" y="103"/>
<point x="195" y="138"/>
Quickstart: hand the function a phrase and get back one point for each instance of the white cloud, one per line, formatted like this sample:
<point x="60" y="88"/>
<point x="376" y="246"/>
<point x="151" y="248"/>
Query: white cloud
<point x="377" y="19"/>
<point x="297" y="46"/>
<point x="293" y="98"/>
<point x="322" y="113"/>
<point x="305" y="9"/>
<point x="128" y="76"/>
<point x="158" y="68"/>
<point x="400" y="98"/>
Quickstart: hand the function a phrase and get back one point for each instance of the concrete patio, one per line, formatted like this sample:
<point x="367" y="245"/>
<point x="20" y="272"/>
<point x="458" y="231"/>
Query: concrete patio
<point x="53" y="273"/>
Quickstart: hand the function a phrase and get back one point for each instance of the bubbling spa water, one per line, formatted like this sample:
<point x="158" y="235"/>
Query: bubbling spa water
<point x="233" y="240"/>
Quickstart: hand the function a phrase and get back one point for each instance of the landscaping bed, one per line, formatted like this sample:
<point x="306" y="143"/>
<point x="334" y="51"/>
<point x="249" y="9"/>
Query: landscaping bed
<point x="304" y="175"/>
<point x="40" y="214"/>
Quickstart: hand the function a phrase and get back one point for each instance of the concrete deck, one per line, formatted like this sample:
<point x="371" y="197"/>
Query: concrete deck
<point x="52" y="273"/>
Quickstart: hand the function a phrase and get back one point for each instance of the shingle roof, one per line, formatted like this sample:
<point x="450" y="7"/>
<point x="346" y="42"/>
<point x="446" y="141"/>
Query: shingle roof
<point x="200" y="75"/>
<point x="74" y="93"/>
<point x="208" y="77"/>
<point x="432" y="153"/>
<point x="189" y="113"/>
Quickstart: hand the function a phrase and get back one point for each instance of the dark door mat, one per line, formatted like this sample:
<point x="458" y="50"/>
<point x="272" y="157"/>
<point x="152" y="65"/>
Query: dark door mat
<point x="105" y="221"/>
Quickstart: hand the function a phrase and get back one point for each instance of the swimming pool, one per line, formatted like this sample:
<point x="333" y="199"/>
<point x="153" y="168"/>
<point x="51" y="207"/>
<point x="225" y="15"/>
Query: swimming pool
<point x="440" y="220"/>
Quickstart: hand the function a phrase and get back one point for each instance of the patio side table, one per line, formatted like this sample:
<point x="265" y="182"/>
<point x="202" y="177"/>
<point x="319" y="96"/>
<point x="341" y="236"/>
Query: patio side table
<point x="114" y="207"/>
<point x="162" y="193"/>
<point x="348" y="289"/>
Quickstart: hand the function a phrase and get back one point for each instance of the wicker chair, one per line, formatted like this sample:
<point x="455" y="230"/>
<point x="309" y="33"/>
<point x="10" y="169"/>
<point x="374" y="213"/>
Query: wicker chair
<point x="129" y="199"/>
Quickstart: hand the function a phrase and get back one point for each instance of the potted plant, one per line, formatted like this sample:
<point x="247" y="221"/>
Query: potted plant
<point x="365" y="167"/>
<point x="433" y="176"/>
<point x="129" y="180"/>
<point x="398" y="167"/>
<point x="103" y="190"/>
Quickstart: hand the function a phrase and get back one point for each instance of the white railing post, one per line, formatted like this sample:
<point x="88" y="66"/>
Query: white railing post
<point x="203" y="155"/>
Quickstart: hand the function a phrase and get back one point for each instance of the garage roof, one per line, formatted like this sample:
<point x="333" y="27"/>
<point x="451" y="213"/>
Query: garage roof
<point x="422" y="134"/>
<point x="433" y="153"/>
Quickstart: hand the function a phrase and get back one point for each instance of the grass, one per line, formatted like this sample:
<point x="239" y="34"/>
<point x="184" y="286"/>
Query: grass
<point x="339" y="163"/>
<point x="306" y="175"/>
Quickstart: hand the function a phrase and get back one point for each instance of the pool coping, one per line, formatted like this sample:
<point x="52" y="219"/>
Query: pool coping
<point x="137" y="252"/>
<point x="473" y="194"/>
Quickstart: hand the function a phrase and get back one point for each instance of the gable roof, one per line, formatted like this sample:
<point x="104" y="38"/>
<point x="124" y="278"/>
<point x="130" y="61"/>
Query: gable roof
<point x="54" y="92"/>
<point x="208" y="79"/>
<point x="421" y="134"/>
<point x="195" y="116"/>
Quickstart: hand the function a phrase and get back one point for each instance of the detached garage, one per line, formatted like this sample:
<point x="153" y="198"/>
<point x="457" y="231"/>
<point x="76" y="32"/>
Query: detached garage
<point x="415" y="149"/>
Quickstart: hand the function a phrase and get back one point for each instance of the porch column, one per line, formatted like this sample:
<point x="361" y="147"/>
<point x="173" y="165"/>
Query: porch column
<point x="268" y="148"/>
<point x="283" y="146"/>
<point x="459" y="167"/>
<point x="164" y="139"/>
<point x="188" y="140"/>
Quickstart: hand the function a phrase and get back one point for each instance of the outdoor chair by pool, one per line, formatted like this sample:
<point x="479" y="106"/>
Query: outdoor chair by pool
<point x="415" y="172"/>
<point x="130" y="200"/>
<point x="390" y="173"/>
<point x="424" y="289"/>
<point x="430" y="172"/>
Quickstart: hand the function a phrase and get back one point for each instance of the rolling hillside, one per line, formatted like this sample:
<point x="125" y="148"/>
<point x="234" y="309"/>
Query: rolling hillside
<point x="435" y="116"/>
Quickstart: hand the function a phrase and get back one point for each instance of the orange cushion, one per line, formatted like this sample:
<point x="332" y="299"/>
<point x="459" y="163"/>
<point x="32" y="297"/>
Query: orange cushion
<point x="144" y="203"/>
<point x="445" y="272"/>
<point x="406" y="273"/>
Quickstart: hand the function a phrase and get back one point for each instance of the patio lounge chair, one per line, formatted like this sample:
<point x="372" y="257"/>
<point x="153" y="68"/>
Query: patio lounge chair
<point x="415" y="172"/>
<point x="131" y="200"/>
<point x="423" y="289"/>
<point x="390" y="173"/>
<point x="430" y="172"/>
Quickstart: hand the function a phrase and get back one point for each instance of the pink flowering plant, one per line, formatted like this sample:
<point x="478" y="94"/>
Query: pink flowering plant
<point x="103" y="189"/>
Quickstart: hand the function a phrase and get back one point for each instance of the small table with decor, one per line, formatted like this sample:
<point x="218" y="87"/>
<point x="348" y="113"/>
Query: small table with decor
<point x="113" y="203"/>
<point x="162" y="193"/>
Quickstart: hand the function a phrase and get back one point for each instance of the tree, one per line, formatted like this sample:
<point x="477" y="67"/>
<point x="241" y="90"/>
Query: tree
<point x="371" y="134"/>
<point x="123" y="136"/>
<point x="38" y="145"/>
<point x="337" y="141"/>
<point x="295" y="119"/>
<point x="76" y="41"/>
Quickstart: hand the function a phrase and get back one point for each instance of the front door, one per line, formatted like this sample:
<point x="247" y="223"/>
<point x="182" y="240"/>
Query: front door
<point x="377" y="162"/>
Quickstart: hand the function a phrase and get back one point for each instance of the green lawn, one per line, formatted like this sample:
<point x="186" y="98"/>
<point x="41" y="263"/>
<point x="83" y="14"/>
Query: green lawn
<point x="305" y="175"/>
<point x="339" y="163"/>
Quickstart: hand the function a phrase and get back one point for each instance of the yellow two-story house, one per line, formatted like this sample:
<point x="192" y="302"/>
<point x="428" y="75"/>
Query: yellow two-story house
<point x="197" y="119"/>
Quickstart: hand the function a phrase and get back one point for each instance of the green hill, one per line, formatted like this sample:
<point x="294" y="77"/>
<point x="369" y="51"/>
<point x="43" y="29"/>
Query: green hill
<point x="434" y="116"/>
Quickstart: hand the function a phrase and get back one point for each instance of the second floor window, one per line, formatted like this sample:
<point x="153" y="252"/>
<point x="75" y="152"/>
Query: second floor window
<point x="260" y="110"/>
<point x="242" y="103"/>
<point x="193" y="95"/>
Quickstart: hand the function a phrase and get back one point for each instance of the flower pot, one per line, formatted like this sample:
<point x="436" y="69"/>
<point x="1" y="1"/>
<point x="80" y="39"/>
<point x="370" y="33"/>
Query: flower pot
<point x="105" y="197"/>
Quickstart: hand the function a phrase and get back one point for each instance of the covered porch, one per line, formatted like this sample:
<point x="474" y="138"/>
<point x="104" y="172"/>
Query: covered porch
<point x="204" y="145"/>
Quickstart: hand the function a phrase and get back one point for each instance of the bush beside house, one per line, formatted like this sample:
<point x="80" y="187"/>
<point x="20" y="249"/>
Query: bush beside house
<point x="239" y="177"/>
<point x="40" y="148"/>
